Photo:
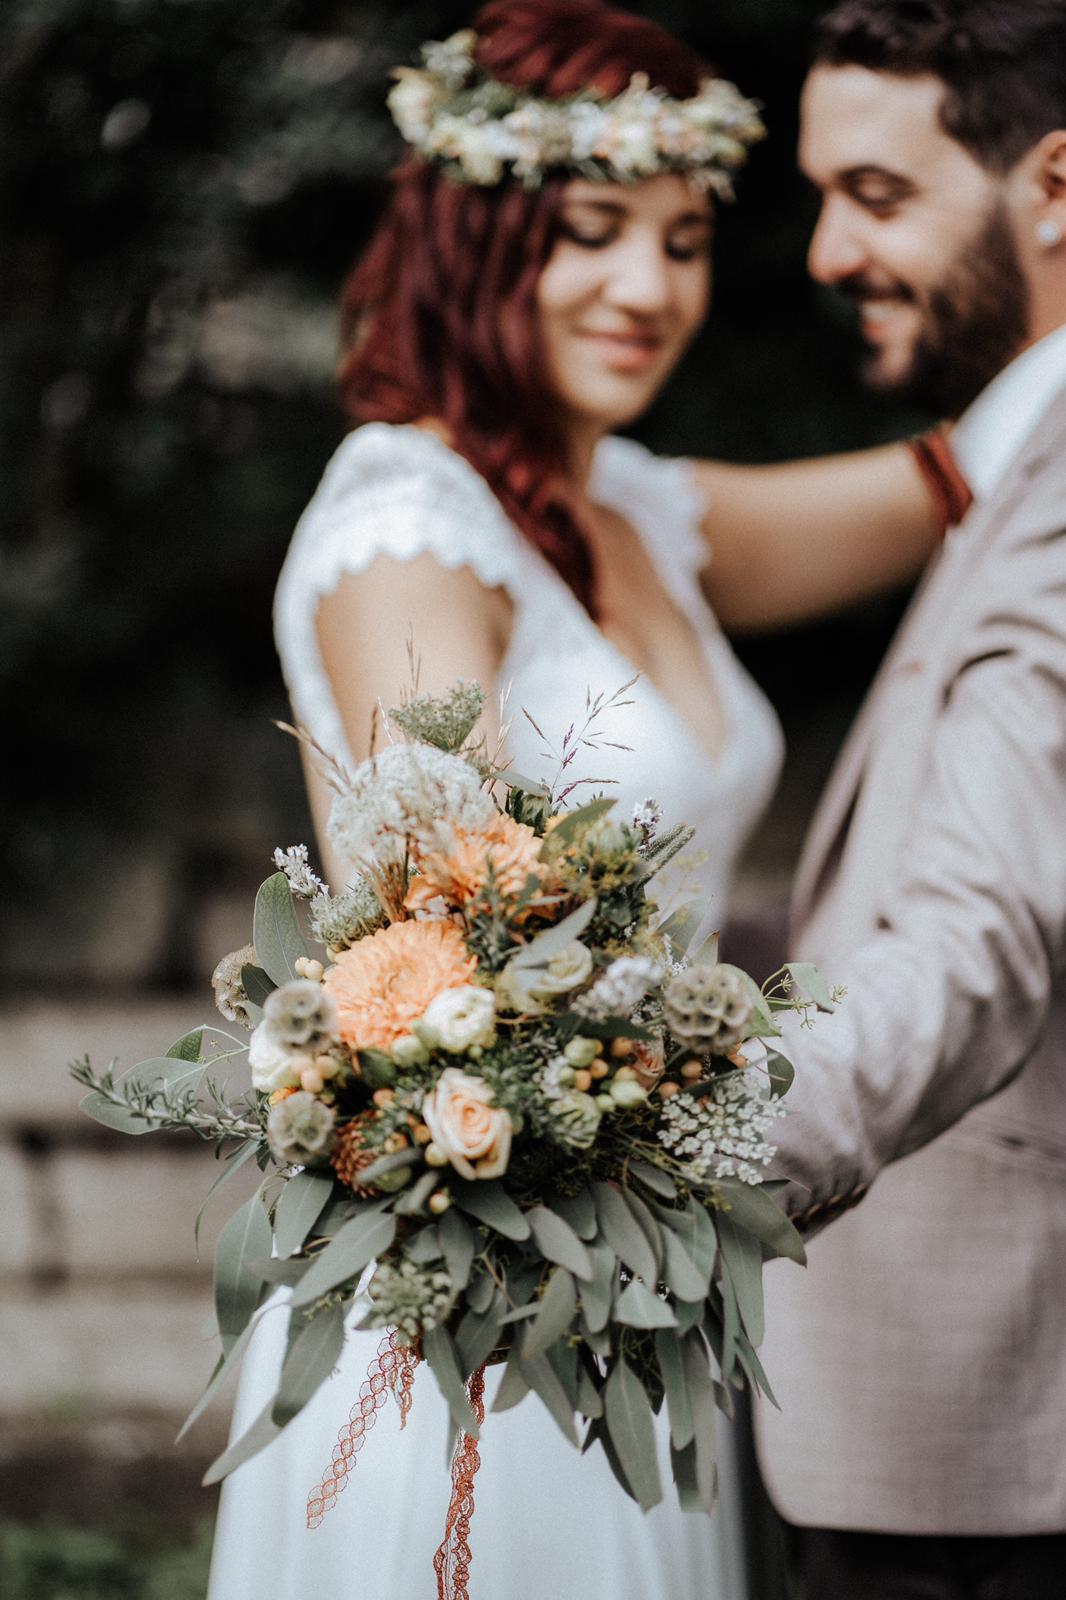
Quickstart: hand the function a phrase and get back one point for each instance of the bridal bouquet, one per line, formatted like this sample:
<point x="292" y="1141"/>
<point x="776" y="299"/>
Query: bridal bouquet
<point x="502" y="1110"/>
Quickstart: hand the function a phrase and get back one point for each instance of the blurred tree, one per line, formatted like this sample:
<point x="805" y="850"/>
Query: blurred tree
<point x="185" y="183"/>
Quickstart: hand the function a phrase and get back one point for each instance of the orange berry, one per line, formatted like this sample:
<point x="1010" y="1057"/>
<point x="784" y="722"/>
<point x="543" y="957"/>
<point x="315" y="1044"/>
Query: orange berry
<point x="599" y="1068"/>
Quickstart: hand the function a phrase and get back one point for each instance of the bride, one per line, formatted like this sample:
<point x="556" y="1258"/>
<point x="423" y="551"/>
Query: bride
<point x="523" y="298"/>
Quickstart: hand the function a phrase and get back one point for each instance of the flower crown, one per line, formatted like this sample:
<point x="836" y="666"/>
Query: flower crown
<point x="480" y="130"/>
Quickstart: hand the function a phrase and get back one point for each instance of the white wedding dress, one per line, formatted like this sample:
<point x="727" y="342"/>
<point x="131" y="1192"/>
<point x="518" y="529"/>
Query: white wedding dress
<point x="549" y="1523"/>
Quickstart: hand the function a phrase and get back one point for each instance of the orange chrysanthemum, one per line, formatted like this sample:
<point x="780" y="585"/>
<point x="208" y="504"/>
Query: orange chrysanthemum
<point x="384" y="983"/>
<point x="461" y="873"/>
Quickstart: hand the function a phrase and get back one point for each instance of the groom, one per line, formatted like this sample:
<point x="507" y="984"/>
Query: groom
<point x="920" y="1362"/>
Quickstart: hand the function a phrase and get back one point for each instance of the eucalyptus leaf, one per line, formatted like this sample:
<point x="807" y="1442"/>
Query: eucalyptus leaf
<point x="578" y="1210"/>
<point x="480" y="1292"/>
<point x="622" y="1232"/>
<point x="753" y="1368"/>
<point x="343" y="1259"/>
<point x="700" y="1387"/>
<point x="689" y="1314"/>
<point x="440" y="1352"/>
<point x="390" y="1163"/>
<point x="637" y="1307"/>
<point x="232" y="1163"/>
<point x="424" y="1246"/>
<point x="409" y="1203"/>
<point x="238" y="1283"/>
<point x="459" y="1245"/>
<point x="597" y="1295"/>
<point x="750" y="1207"/>
<point x="563" y="1358"/>
<point x="589" y="1398"/>
<point x="646" y="1223"/>
<point x="256" y="984"/>
<point x="225" y="1367"/>
<point x="554" y="1315"/>
<point x="312" y="1356"/>
<point x="654" y="1178"/>
<point x="514" y="1385"/>
<point x="730" y="1328"/>
<point x="781" y="1073"/>
<point x="300" y="1204"/>
<point x="680" y="1272"/>
<point x="515" y="780"/>
<point x="478" y="1334"/>
<point x="809" y="980"/>
<point x="631" y="1429"/>
<point x="189" y="1046"/>
<point x="558" y="1242"/>
<point x="672" y="1371"/>
<point x="174" y="1073"/>
<point x="683" y="1466"/>
<point x="289" y="1271"/>
<point x="262" y="1431"/>
<point x="543" y="1380"/>
<point x="276" y="933"/>
<point x="742" y="1259"/>
<point x="493" y="1206"/>
<point x="693" y="1226"/>
<point x="571" y="828"/>
<point x="540" y="950"/>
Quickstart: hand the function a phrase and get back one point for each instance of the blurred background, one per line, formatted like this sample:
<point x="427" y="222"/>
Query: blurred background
<point x="185" y="183"/>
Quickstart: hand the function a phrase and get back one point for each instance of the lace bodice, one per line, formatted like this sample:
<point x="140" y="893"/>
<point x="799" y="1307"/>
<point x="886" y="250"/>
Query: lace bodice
<point x="401" y="492"/>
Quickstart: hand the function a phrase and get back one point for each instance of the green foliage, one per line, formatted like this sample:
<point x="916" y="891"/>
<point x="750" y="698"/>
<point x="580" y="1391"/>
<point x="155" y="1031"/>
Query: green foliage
<point x="57" y="1561"/>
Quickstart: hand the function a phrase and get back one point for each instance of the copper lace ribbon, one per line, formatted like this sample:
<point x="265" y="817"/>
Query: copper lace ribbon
<point x="393" y="1368"/>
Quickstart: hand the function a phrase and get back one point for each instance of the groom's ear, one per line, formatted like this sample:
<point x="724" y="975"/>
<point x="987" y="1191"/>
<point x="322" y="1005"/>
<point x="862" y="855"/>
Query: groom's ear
<point x="1051" y="155"/>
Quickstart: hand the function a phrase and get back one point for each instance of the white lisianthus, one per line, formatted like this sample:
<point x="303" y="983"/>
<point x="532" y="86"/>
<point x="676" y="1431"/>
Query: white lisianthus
<point x="474" y="1134"/>
<point x="527" y="988"/>
<point x="274" y="1065"/>
<point x="458" y="1019"/>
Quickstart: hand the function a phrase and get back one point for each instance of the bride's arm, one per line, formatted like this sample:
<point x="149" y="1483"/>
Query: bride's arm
<point x="458" y="629"/>
<point x="793" y="541"/>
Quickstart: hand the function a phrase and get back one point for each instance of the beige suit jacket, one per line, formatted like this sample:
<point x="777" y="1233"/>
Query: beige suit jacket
<point x="920" y="1361"/>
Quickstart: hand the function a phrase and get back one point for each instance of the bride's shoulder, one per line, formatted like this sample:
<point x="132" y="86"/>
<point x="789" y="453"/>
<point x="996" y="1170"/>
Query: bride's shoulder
<point x="401" y="491"/>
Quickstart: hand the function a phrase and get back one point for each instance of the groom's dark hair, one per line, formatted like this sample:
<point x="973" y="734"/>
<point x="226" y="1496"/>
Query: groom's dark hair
<point x="1002" y="62"/>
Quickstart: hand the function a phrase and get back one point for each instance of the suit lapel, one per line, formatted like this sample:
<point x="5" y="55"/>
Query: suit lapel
<point x="951" y="565"/>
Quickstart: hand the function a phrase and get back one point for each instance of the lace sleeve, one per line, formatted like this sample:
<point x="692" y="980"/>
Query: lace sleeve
<point x="388" y="491"/>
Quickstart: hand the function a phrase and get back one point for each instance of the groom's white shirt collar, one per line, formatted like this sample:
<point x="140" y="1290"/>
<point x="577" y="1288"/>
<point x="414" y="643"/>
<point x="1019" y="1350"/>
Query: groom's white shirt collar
<point x="991" y="432"/>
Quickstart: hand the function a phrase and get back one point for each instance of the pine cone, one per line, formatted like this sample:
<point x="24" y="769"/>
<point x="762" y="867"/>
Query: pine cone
<point x="350" y="1157"/>
<point x="707" y="1008"/>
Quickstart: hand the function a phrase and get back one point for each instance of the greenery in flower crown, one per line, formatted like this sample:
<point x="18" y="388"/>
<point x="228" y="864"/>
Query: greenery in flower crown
<point x="502" y="1082"/>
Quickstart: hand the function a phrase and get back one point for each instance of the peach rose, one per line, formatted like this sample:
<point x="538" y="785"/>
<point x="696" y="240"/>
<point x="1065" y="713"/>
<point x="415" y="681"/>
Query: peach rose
<point x="474" y="1134"/>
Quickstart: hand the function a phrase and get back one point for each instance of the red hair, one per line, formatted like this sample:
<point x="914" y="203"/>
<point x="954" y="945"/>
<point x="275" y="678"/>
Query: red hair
<point x="440" y="314"/>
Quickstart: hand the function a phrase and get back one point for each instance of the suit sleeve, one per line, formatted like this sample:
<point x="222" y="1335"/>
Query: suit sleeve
<point x="949" y="997"/>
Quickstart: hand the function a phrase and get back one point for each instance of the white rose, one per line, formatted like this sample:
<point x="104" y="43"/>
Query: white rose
<point x="473" y="1134"/>
<point x="526" y="987"/>
<point x="459" y="1018"/>
<point x="273" y="1065"/>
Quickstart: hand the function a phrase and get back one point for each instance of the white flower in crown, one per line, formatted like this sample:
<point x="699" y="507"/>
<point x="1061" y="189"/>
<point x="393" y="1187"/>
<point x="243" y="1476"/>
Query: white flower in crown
<point x="413" y="100"/>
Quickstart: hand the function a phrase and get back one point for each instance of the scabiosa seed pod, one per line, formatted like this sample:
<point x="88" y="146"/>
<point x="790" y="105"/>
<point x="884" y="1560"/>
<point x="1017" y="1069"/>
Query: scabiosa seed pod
<point x="228" y="985"/>
<point x="300" y="1130"/>
<point x="707" y="1008"/>
<point x="301" y="1014"/>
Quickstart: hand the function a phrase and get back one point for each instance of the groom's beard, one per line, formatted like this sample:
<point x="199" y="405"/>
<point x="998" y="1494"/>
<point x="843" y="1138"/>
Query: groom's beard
<point x="974" y="322"/>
